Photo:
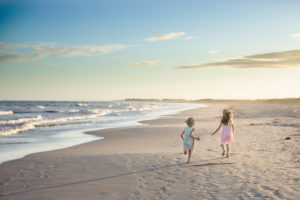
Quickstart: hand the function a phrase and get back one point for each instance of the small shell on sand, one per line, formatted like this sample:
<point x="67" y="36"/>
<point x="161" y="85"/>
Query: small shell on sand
<point x="288" y="138"/>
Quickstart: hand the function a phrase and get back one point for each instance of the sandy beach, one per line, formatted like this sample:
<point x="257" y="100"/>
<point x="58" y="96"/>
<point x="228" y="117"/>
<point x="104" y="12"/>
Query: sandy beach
<point x="147" y="162"/>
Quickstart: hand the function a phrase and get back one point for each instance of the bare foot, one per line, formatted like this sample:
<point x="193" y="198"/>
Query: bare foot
<point x="227" y="156"/>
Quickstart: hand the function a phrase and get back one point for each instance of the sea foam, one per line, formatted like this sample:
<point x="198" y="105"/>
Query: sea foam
<point x="6" y="112"/>
<point x="21" y="121"/>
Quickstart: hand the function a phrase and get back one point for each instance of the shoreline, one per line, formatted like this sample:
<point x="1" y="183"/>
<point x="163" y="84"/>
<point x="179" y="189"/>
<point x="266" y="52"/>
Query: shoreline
<point x="146" y="162"/>
<point x="86" y="135"/>
<point x="145" y="122"/>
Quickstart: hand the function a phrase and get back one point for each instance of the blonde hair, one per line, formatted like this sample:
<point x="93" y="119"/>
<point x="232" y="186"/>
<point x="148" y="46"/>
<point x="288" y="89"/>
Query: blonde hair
<point x="227" y="117"/>
<point x="190" y="121"/>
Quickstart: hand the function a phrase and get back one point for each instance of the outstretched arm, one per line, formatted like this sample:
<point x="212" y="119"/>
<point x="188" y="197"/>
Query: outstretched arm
<point x="192" y="136"/>
<point x="217" y="130"/>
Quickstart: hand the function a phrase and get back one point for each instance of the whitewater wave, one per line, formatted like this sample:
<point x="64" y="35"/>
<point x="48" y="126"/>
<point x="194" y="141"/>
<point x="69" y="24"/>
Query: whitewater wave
<point x="62" y="111"/>
<point x="68" y="115"/>
<point x="82" y="104"/>
<point x="146" y="108"/>
<point x="6" y="112"/>
<point x="66" y="124"/>
<point x="97" y="111"/>
<point x="21" y="121"/>
<point x="73" y="111"/>
<point x="31" y="123"/>
<point x="105" y="106"/>
<point x="131" y="108"/>
<point x="17" y="129"/>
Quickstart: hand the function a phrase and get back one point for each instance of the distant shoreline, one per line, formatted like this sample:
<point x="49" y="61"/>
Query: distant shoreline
<point x="216" y="100"/>
<point x="296" y="99"/>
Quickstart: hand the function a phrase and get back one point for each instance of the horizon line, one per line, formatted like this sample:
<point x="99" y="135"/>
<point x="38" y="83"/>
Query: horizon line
<point x="172" y="99"/>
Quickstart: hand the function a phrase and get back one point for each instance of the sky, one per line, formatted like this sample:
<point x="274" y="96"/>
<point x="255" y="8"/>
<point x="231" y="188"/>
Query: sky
<point x="117" y="49"/>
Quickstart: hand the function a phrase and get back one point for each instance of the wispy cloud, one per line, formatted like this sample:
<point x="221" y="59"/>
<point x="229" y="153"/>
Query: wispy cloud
<point x="13" y="57"/>
<point x="284" y="59"/>
<point x="167" y="36"/>
<point x="105" y="48"/>
<point x="12" y="46"/>
<point x="295" y="36"/>
<point x="43" y="50"/>
<point x="52" y="51"/>
<point x="213" y="52"/>
<point x="145" y="63"/>
<point x="72" y="51"/>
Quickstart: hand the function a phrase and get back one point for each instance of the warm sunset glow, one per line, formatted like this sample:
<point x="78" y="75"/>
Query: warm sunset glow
<point x="103" y="50"/>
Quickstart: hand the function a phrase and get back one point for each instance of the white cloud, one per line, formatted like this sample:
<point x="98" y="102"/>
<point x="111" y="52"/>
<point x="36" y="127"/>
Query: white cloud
<point x="60" y="51"/>
<point x="43" y="50"/>
<point x="213" y="52"/>
<point x="71" y="51"/>
<point x="167" y="36"/>
<point x="145" y="63"/>
<point x="106" y="48"/>
<point x="284" y="59"/>
<point x="6" y="57"/>
<point x="295" y="36"/>
<point x="11" y="46"/>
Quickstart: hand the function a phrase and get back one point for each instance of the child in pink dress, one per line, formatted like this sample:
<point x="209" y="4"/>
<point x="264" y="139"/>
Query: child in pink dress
<point x="227" y="130"/>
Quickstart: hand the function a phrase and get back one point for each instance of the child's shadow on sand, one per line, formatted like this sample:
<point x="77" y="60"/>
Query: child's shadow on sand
<point x="204" y="163"/>
<point x="207" y="164"/>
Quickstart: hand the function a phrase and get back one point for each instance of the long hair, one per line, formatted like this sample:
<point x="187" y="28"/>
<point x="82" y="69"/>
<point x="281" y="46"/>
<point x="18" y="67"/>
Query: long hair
<point x="190" y="121"/>
<point x="227" y="117"/>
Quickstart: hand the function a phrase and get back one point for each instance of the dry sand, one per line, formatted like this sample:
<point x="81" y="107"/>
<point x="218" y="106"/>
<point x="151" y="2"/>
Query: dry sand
<point x="146" y="162"/>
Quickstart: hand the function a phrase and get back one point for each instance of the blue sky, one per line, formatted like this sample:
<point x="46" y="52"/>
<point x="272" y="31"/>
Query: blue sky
<point x="105" y="50"/>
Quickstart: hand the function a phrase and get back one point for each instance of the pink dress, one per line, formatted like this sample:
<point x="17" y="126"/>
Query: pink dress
<point x="226" y="135"/>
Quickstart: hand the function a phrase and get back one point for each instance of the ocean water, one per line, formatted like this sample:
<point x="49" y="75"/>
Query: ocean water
<point x="34" y="126"/>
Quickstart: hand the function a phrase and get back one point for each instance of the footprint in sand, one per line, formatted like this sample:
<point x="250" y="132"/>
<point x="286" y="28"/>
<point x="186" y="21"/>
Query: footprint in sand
<point x="43" y="176"/>
<point x="277" y="193"/>
<point x="170" y="181"/>
<point x="5" y="181"/>
<point x="163" y="188"/>
<point x="267" y="188"/>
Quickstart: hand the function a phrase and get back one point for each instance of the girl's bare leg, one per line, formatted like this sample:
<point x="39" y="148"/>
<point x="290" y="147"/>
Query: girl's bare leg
<point x="227" y="148"/>
<point x="222" y="145"/>
<point x="189" y="156"/>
